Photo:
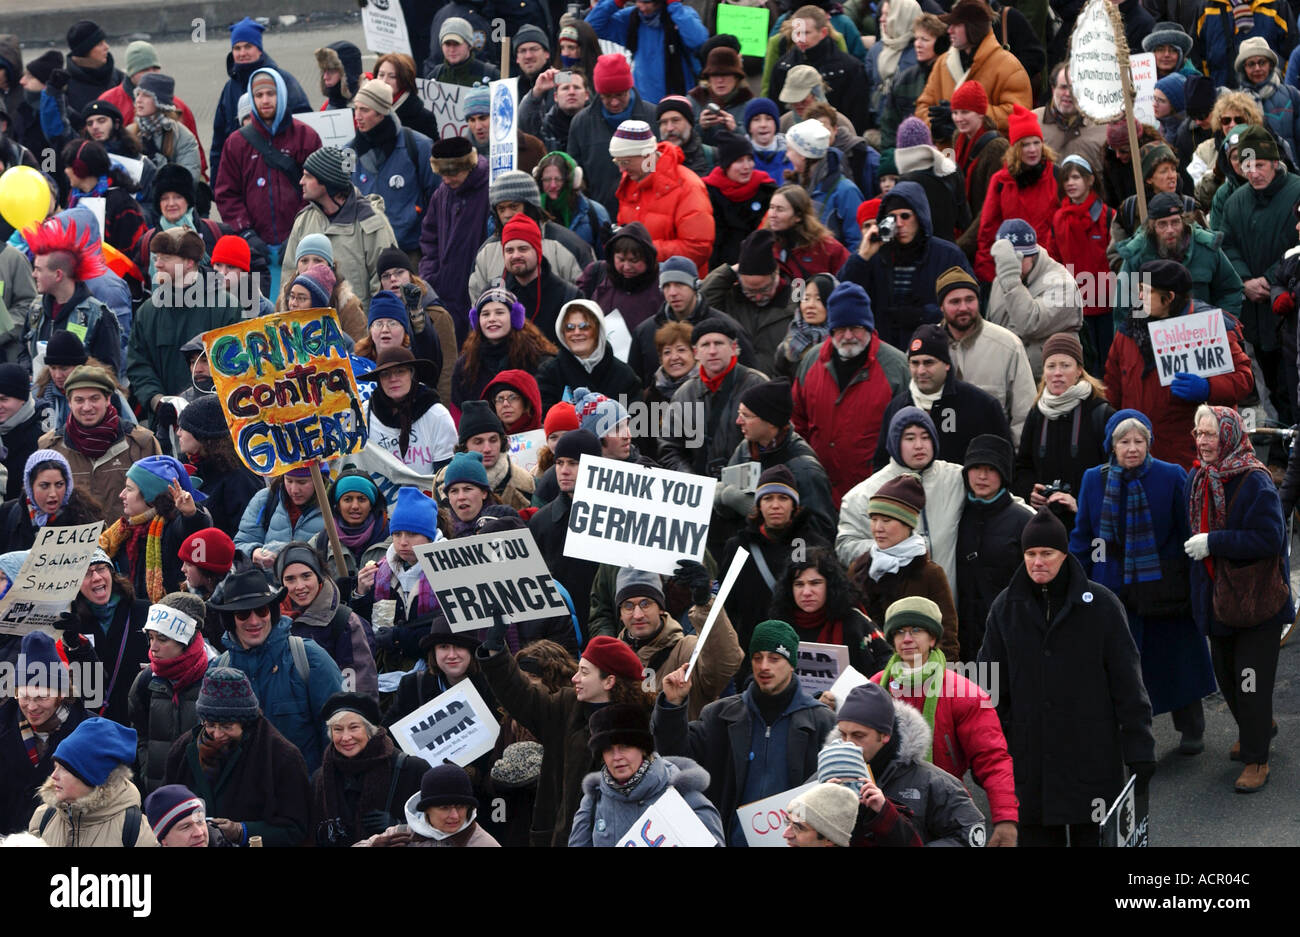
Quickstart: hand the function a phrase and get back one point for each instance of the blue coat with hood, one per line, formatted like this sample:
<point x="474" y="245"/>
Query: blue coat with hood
<point x="290" y="704"/>
<point x="1219" y="41"/>
<point x="839" y="197"/>
<point x="226" y="119"/>
<point x="274" y="532"/>
<point x="606" y="814"/>
<point x="406" y="188"/>
<point x="898" y="316"/>
<point x="648" y="62"/>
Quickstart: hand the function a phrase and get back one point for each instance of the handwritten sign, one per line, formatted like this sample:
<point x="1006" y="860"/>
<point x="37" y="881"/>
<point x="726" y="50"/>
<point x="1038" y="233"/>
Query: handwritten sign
<point x="474" y="577"/>
<point x="763" y="821"/>
<point x="525" y="448"/>
<point x="50" y="578"/>
<point x="457" y="725"/>
<point x="335" y="127"/>
<point x="1095" y="78"/>
<point x="1195" y="343"/>
<point x="647" y="519"/>
<point x="171" y="623"/>
<point x="820" y="665"/>
<point x="385" y="27"/>
<point x="446" y="104"/>
<point x="748" y="24"/>
<point x="286" y="386"/>
<point x="503" y="135"/>
<point x="1143" y="69"/>
<point x="669" y="821"/>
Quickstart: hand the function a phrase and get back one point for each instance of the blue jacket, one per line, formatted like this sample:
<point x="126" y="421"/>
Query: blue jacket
<point x="1219" y="41"/>
<point x="406" y="188"/>
<point x="774" y="162"/>
<point x="839" y="203"/>
<point x="1281" y="108"/>
<point x="606" y="814"/>
<point x="580" y="223"/>
<point x="226" y="119"/>
<point x="274" y="533"/>
<point x="648" y="64"/>
<point x="288" y="703"/>
<point x="874" y="81"/>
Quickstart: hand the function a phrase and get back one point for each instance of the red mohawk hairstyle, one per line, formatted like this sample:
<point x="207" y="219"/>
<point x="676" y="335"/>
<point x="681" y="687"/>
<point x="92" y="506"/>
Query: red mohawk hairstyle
<point x="59" y="235"/>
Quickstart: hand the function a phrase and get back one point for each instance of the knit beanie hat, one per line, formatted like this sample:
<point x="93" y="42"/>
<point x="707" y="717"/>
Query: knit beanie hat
<point x="523" y="228"/>
<point x="1199" y="93"/>
<point x="731" y="147"/>
<point x="636" y="584"/>
<point x="775" y="637"/>
<point x="162" y="88"/>
<point x="154" y="474"/>
<point x="204" y="418"/>
<point x="39" y="663"/>
<point x="830" y="809"/>
<point x="576" y="443"/>
<point x="328" y="165"/>
<point x="954" y="278"/>
<point x="1022" y="123"/>
<point x="620" y="724"/>
<point x="869" y="705"/>
<point x="675" y="102"/>
<point x="244" y="108"/>
<point x="713" y="324"/>
<point x="1174" y="86"/>
<point x="612" y="74"/>
<point x="298" y="551"/>
<point x="1021" y="235"/>
<point x="777" y="480"/>
<point x="447" y="785"/>
<point x="913" y="132"/>
<point x="1153" y="154"/>
<point x="140" y="55"/>
<point x="43" y="66"/>
<point x="94" y="748"/>
<point x="15" y="382"/>
<point x="376" y="95"/>
<point x="354" y="484"/>
<point x="758" y="106"/>
<point x="902" y="498"/>
<point x="315" y="243"/>
<point x="478" y="417"/>
<point x="991" y="450"/>
<point x="414" y="513"/>
<point x="477" y="101"/>
<point x="810" y="139"/>
<point x="1045" y="530"/>
<point x="847" y="306"/>
<point x="514" y="186"/>
<point x="177" y="615"/>
<point x="758" y="254"/>
<point x="843" y="760"/>
<point x="1117" y="134"/>
<point x="531" y="33"/>
<point x="771" y="401"/>
<point x="169" y="805"/>
<point x="498" y="294"/>
<point x="226" y="696"/>
<point x="611" y="655"/>
<point x="930" y="340"/>
<point x="318" y="280"/>
<point x="868" y="211"/>
<point x="970" y="96"/>
<point x="888" y="166"/>
<point x="1255" y="138"/>
<point x="466" y="467"/>
<point x="1064" y="343"/>
<point x="211" y="549"/>
<point x="233" y="250"/>
<point x="247" y="30"/>
<point x="632" y="138"/>
<point x="678" y="269"/>
<point x="1254" y="47"/>
<point x="561" y="418"/>
<point x="386" y="305"/>
<point x="393" y="258"/>
<point x="84" y="35"/>
<point x="597" y="414"/>
<point x="913" y="610"/>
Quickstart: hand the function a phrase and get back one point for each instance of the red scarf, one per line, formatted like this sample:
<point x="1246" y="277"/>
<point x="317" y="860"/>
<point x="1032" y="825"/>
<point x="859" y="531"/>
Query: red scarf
<point x="732" y="190"/>
<point x="93" y="441"/>
<point x="713" y="384"/>
<point x="828" y="632"/>
<point x="185" y="670"/>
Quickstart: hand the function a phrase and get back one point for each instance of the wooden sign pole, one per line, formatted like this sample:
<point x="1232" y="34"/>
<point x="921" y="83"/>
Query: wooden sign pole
<point x="327" y="515"/>
<point x="1130" y="119"/>
<point x="505" y="57"/>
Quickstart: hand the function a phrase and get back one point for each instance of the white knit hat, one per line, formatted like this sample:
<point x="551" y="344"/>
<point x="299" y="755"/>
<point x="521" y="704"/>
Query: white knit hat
<point x="632" y="138"/>
<point x="830" y="809"/>
<point x="809" y="139"/>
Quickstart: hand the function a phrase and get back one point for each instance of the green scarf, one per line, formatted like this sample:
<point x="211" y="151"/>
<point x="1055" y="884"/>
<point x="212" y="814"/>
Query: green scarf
<point x="932" y="669"/>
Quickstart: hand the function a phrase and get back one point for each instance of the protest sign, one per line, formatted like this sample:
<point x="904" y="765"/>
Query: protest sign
<point x="334" y="127"/>
<point x="446" y="104"/>
<point x="285" y="384"/>
<point x="669" y="821"/>
<point x="385" y="26"/>
<point x="525" y="448"/>
<point x="1143" y="69"/>
<point x="1095" y="77"/>
<point x="132" y="167"/>
<point x="647" y="519"/>
<point x="50" y="578"/>
<point x="844" y="684"/>
<point x="820" y="665"/>
<point x="763" y="821"/>
<point x="171" y="623"/>
<point x="457" y="725"/>
<point x="503" y="134"/>
<point x="748" y="24"/>
<point x="724" y="590"/>
<point x="474" y="577"/>
<point x="387" y="472"/>
<point x="1126" y="823"/>
<point x="96" y="205"/>
<point x="1195" y="343"/>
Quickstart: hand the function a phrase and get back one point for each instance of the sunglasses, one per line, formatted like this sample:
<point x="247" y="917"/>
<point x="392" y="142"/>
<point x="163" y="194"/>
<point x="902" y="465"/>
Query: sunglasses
<point x="1229" y="121"/>
<point x="903" y="215"/>
<point x="577" y="326"/>
<point x="262" y="611"/>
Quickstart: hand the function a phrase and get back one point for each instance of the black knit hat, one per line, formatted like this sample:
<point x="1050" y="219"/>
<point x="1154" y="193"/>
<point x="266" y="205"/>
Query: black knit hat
<point x="731" y="147"/>
<point x="1168" y="275"/>
<point x="65" y="350"/>
<point x="713" y="324"/>
<point x="1200" y="94"/>
<point x="757" y="257"/>
<point x="44" y="65"/>
<point x="620" y="724"/>
<point x="391" y="257"/>
<point x="101" y="108"/>
<point x="364" y="706"/>
<point x="173" y="177"/>
<point x="84" y="35"/>
<point x="446" y="786"/>
<point x="930" y="340"/>
<point x="477" y="416"/>
<point x="15" y="381"/>
<point x="772" y="401"/>
<point x="990" y="449"/>
<point x="203" y="418"/>
<point x="577" y="443"/>
<point x="1045" y="530"/>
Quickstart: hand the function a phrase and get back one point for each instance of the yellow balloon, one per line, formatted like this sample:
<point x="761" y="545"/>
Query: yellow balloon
<point x="24" y="197"/>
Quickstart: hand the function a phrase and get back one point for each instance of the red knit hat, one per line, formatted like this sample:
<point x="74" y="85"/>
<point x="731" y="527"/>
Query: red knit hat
<point x="868" y="210"/>
<point x="1022" y="123"/>
<point x="561" y="418"/>
<point x="970" y="96"/>
<point x="522" y="228"/>
<point x="232" y="249"/>
<point x="210" y="549"/>
<point x="613" y="656"/>
<point x="612" y="74"/>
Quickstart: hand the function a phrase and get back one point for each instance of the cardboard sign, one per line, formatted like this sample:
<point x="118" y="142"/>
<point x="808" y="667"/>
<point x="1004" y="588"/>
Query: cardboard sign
<point x="96" y="205"/>
<point x="474" y="577"/>
<point x="1123" y="827"/>
<point x="335" y="127"/>
<point x="1195" y="343"/>
<point x="457" y="725"/>
<point x="525" y="448"/>
<point x="627" y="515"/>
<point x="1143" y="69"/>
<point x="748" y="24"/>
<point x="286" y="387"/>
<point x="715" y="609"/>
<point x="1095" y="77"/>
<point x="385" y="27"/>
<point x="503" y="129"/>
<point x="669" y="821"/>
<point x="50" y="578"/>
<point x="763" y="821"/>
<point x="844" y="684"/>
<point x="445" y="103"/>
<point x="820" y="665"/>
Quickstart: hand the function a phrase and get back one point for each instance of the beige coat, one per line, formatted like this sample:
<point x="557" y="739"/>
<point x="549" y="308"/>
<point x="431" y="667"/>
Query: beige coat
<point x="94" y="820"/>
<point x="993" y="359"/>
<point x="718" y="662"/>
<point x="104" y="477"/>
<point x="518" y="487"/>
<point x="357" y="245"/>
<point x="1003" y="77"/>
<point x="1037" y="307"/>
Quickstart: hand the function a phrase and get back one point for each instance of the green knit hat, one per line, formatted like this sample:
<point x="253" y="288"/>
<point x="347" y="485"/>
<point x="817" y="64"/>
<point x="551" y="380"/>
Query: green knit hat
<point x="776" y="637"/>
<point x="914" y="610"/>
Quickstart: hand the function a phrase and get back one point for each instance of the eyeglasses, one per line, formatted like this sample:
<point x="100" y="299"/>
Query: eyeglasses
<point x="226" y="727"/>
<point x="910" y="630"/>
<point x="762" y="291"/>
<point x="386" y="325"/>
<point x="643" y="605"/>
<point x="1203" y="434"/>
<point x="577" y="326"/>
<point x="262" y="611"/>
<point x="507" y="399"/>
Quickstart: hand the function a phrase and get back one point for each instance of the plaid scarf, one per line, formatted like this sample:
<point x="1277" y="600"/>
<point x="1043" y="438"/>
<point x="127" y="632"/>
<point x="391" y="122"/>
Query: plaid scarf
<point x="1137" y="536"/>
<point x="1236" y="457"/>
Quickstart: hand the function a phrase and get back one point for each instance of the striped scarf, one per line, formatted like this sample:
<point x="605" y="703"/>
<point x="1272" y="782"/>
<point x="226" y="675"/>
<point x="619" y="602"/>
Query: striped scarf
<point x="34" y="747"/>
<point x="126" y="533"/>
<point x="1243" y="17"/>
<point x="1141" y="555"/>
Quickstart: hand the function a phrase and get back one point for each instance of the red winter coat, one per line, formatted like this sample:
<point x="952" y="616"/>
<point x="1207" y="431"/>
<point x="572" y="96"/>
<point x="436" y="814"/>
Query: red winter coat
<point x="250" y="194"/>
<point x="968" y="734"/>
<point x="118" y="97"/>
<point x="1129" y="385"/>
<point x="1035" y="204"/>
<point x="826" y="256"/>
<point x="673" y="203"/>
<point x="842" y="426"/>
<point x="1078" y="236"/>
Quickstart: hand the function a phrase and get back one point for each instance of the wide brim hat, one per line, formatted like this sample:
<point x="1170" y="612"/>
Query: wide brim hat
<point x="243" y="590"/>
<point x="399" y="357"/>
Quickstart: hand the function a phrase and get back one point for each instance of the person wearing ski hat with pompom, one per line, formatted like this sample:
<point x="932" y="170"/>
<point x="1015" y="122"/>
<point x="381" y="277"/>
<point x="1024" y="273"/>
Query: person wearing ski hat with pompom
<point x="615" y="101"/>
<point x="1025" y="187"/>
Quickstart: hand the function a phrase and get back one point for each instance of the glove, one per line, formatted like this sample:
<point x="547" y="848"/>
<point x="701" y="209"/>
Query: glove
<point x="695" y="577"/>
<point x="733" y="498"/>
<point x="941" y="125"/>
<point x="496" y="639"/>
<point x="1190" y="387"/>
<point x="1005" y="258"/>
<point x="1197" y="546"/>
<point x="374" y="821"/>
<point x="1284" y="305"/>
<point x="1143" y="771"/>
<point x="59" y="79"/>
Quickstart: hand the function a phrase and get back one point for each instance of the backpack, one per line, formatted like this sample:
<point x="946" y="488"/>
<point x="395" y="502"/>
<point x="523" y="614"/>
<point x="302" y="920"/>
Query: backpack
<point x="297" y="650"/>
<point x="130" y="825"/>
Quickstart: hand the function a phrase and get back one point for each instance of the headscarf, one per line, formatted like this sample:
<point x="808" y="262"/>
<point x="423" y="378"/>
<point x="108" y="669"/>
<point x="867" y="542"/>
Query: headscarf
<point x="1141" y="554"/>
<point x="1236" y="457"/>
<point x="896" y="36"/>
<point x="38" y="517"/>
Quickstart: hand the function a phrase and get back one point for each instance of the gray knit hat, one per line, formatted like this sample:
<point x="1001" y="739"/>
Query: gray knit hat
<point x="226" y="696"/>
<point x="514" y="186"/>
<point x="327" y="164"/>
<point x="635" y="584"/>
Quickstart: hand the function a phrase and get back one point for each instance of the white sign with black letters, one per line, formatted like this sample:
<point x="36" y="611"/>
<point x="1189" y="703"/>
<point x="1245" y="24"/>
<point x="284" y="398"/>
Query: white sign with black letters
<point x="457" y="725"/>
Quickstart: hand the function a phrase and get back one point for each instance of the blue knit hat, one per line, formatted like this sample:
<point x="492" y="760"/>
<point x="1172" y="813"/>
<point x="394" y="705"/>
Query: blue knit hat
<point x="1116" y="418"/>
<point x="597" y="413"/>
<point x="317" y="244"/>
<point x="247" y="30"/>
<point x="465" y="467"/>
<point x="477" y="100"/>
<point x="387" y="305"/>
<point x="1021" y="234"/>
<point x="758" y="106"/>
<point x="414" y="513"/>
<point x="849" y="305"/>
<point x="10" y="565"/>
<point x="39" y="664"/>
<point x="95" y="747"/>
<point x="1174" y="87"/>
<point x="154" y="474"/>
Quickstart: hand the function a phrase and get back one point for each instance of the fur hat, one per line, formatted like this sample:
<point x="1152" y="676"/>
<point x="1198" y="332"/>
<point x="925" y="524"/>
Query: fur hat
<point x="452" y="155"/>
<point x="620" y="724"/>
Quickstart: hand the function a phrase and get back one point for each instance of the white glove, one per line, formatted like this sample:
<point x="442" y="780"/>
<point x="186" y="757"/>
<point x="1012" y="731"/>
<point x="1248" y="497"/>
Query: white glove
<point x="1197" y="546"/>
<point x="1005" y="258"/>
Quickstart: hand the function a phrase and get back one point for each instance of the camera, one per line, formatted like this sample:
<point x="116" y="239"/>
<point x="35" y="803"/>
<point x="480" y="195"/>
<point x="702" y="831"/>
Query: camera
<point x="411" y="295"/>
<point x="1056" y="487"/>
<point x="886" y="231"/>
<point x="713" y="108"/>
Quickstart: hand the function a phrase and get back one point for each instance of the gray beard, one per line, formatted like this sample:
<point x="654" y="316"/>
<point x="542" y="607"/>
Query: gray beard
<point x="1177" y="252"/>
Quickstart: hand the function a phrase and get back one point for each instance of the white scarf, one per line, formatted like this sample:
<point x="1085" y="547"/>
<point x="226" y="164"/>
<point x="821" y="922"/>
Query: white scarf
<point x="896" y="36"/>
<point x="923" y="400"/>
<point x="915" y="158"/>
<point x="1054" y="407"/>
<point x="892" y="559"/>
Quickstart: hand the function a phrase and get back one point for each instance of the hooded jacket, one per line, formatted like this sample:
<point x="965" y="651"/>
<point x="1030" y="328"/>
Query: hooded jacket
<point x="839" y="197"/>
<point x="606" y="814"/>
<point x="96" y="818"/>
<point x="1003" y="77"/>
<point x="613" y="21"/>
<point x="601" y="371"/>
<point x="1037" y="306"/>
<point x="416" y="831"/>
<point x="961" y="413"/>
<point x="636" y="299"/>
<point x="453" y="228"/>
<point x="225" y="121"/>
<point x="673" y="203"/>
<point x="944" y="185"/>
<point x="103" y="478"/>
<point x="248" y="192"/>
<point x="404" y="189"/>
<point x="1079" y="235"/>
<point x="359" y="232"/>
